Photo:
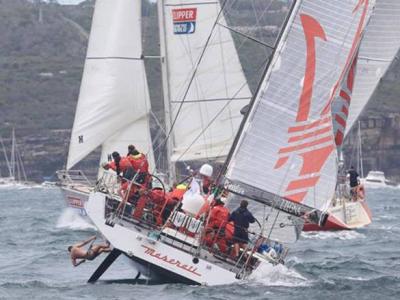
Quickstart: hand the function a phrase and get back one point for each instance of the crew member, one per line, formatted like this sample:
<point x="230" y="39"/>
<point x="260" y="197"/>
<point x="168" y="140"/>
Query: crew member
<point x="241" y="218"/>
<point x="215" y="228"/>
<point x="77" y="252"/>
<point x="206" y="172"/>
<point x="158" y="197"/>
<point x="121" y="165"/>
<point x="140" y="164"/>
<point x="173" y="198"/>
<point x="353" y="177"/>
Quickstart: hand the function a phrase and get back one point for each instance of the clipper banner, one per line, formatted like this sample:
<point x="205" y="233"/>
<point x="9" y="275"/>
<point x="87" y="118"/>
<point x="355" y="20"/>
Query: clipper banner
<point x="184" y="20"/>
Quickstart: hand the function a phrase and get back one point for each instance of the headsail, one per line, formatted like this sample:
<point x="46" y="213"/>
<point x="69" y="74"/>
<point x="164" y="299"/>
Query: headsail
<point x="286" y="148"/>
<point x="205" y="84"/>
<point x="113" y="103"/>
<point x="378" y="48"/>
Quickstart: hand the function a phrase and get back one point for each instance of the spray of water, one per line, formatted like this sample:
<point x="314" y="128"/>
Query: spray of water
<point x="279" y="275"/>
<point x="71" y="219"/>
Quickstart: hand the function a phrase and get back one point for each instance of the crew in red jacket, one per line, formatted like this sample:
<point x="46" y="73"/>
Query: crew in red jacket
<point x="140" y="164"/>
<point x="215" y="228"/>
<point x="121" y="165"/>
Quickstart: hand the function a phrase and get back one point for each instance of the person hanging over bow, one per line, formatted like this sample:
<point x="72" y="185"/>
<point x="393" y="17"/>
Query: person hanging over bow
<point x="78" y="252"/>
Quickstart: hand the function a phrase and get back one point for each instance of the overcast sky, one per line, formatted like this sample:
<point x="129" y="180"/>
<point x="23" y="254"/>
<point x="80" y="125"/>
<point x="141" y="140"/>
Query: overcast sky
<point x="69" y="1"/>
<point x="77" y="1"/>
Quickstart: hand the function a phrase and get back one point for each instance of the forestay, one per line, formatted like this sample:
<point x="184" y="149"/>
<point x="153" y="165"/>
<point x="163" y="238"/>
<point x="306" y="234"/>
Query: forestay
<point x="113" y="103"/>
<point x="203" y="71"/>
<point x="378" y="48"/>
<point x="287" y="146"/>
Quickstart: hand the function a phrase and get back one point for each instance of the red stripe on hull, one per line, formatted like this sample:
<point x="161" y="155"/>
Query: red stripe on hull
<point x="331" y="224"/>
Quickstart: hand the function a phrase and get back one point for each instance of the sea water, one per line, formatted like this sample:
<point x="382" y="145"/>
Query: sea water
<point x="36" y="230"/>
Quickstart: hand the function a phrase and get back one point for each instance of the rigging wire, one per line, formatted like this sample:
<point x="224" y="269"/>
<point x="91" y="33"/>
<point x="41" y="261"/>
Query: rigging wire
<point x="213" y="119"/>
<point x="194" y="73"/>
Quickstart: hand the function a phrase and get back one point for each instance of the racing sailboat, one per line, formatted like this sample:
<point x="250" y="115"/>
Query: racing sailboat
<point x="379" y="46"/>
<point x="283" y="159"/>
<point x="203" y="90"/>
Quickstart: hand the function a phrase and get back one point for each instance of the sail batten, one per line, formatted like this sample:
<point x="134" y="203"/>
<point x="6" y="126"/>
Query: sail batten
<point x="114" y="93"/>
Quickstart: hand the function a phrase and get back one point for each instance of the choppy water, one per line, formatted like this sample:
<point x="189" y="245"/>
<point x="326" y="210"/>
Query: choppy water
<point x="34" y="263"/>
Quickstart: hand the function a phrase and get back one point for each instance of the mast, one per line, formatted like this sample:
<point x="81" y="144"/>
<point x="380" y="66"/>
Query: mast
<point x="166" y="91"/>
<point x="12" y="158"/>
<point x="6" y="157"/>
<point x="360" y="157"/>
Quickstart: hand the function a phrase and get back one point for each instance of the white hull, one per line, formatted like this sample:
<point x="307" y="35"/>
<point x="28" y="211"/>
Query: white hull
<point x="157" y="255"/>
<point x="344" y="216"/>
<point x="376" y="179"/>
<point x="76" y="196"/>
<point x="352" y="214"/>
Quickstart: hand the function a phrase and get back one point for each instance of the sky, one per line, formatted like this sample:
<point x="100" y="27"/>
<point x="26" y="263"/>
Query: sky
<point x="69" y="1"/>
<point x="76" y="1"/>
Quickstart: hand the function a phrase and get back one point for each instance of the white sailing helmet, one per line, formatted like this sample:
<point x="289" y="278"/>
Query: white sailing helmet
<point x="206" y="170"/>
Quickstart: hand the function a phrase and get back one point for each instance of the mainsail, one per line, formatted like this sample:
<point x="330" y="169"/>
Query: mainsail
<point x="113" y="106"/>
<point x="204" y="84"/>
<point x="285" y="154"/>
<point x="378" y="49"/>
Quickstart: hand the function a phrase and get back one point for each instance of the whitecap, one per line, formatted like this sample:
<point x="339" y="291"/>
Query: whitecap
<point x="71" y="219"/>
<point x="341" y="235"/>
<point x="356" y="278"/>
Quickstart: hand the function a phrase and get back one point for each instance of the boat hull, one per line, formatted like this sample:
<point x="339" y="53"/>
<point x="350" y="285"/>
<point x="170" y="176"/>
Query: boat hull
<point x="351" y="215"/>
<point x="76" y="198"/>
<point x="161" y="258"/>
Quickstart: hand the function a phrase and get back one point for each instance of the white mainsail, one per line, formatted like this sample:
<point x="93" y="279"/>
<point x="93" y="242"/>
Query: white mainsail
<point x="204" y="84"/>
<point x="286" y="148"/>
<point x="113" y="106"/>
<point x="378" y="48"/>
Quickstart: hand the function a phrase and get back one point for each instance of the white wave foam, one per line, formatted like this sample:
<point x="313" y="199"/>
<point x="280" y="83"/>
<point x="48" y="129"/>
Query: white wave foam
<point x="72" y="220"/>
<point x="279" y="275"/>
<point x="356" y="278"/>
<point x="341" y="235"/>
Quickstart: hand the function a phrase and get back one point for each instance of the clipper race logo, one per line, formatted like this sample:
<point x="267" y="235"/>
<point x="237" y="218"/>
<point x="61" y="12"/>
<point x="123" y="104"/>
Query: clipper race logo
<point x="184" y="20"/>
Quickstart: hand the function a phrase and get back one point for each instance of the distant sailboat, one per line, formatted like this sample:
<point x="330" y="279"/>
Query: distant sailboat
<point x="14" y="163"/>
<point x="283" y="159"/>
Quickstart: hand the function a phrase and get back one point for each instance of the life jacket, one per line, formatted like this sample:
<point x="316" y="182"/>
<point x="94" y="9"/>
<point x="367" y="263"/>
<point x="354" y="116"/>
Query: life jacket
<point x="124" y="166"/>
<point x="219" y="216"/>
<point x="139" y="162"/>
<point x="178" y="192"/>
<point x="159" y="199"/>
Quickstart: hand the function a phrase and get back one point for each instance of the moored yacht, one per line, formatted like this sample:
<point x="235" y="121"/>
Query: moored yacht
<point x="376" y="179"/>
